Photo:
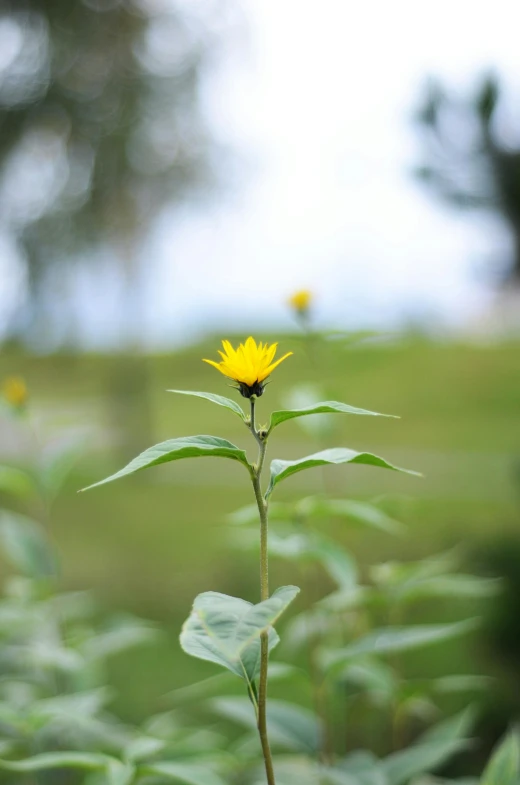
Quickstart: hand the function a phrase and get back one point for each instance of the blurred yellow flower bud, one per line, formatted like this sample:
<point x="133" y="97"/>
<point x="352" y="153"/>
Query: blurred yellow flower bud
<point x="301" y="300"/>
<point x="15" y="392"/>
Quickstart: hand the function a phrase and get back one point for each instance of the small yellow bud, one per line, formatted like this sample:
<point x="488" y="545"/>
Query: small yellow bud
<point x="15" y="392"/>
<point x="301" y="300"/>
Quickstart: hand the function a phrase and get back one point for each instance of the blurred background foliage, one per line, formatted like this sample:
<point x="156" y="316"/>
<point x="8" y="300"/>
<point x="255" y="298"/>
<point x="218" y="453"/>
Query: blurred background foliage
<point x="471" y="153"/>
<point x="407" y="612"/>
<point x="102" y="128"/>
<point x="147" y="546"/>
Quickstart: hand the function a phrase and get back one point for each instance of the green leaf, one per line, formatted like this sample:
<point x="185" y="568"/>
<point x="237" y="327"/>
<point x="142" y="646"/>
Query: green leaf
<point x="361" y="512"/>
<point x="174" y="450"/>
<point x="16" y="482"/>
<point x="436" y="781"/>
<point x="119" y="773"/>
<point x="143" y="747"/>
<point x="57" y="462"/>
<point x="346" y="598"/>
<point x="461" y="682"/>
<point x="228" y="403"/>
<point x="433" y="748"/>
<point x="282" y="469"/>
<point x="504" y="766"/>
<point x="201" y="690"/>
<point x="304" y="545"/>
<point x="226" y="630"/>
<point x="405" y="764"/>
<point x="339" y="564"/>
<point x="402" y="575"/>
<point x="188" y="773"/>
<point x="295" y="770"/>
<point x="289" y="726"/>
<point x="77" y="705"/>
<point x="396" y="639"/>
<point x="324" y="407"/>
<point x="338" y="776"/>
<point x="26" y="545"/>
<point x="249" y="514"/>
<point x="57" y="760"/>
<point x="457" y="585"/>
<point x="363" y="767"/>
<point x="293" y="727"/>
<point x="375" y="677"/>
<point x="457" y="727"/>
<point x="310" y="625"/>
<point x="124" y="633"/>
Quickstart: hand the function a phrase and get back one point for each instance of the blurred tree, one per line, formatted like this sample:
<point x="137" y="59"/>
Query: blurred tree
<point x="468" y="163"/>
<point x="100" y="126"/>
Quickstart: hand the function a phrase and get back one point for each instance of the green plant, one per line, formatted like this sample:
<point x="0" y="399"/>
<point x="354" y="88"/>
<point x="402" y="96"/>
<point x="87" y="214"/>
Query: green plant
<point x="226" y="630"/>
<point x="356" y="639"/>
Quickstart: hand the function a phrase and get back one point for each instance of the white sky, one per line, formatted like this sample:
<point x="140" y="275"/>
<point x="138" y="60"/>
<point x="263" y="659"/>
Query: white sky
<point x="317" y="99"/>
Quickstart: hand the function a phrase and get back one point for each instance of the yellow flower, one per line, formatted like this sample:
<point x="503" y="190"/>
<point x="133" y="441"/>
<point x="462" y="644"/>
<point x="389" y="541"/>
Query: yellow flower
<point x="249" y="365"/>
<point x="15" y="391"/>
<point x="301" y="300"/>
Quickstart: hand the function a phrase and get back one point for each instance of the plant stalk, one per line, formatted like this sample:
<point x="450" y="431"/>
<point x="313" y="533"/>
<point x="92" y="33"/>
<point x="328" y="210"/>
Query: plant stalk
<point x="264" y="595"/>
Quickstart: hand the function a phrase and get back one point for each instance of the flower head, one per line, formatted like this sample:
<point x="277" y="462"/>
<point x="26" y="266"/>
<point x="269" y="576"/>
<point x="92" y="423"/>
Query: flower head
<point x="249" y="365"/>
<point x="301" y="301"/>
<point x="14" y="391"/>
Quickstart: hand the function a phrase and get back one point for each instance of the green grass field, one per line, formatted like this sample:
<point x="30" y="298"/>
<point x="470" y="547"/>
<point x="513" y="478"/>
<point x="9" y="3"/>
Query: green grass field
<point x="150" y="543"/>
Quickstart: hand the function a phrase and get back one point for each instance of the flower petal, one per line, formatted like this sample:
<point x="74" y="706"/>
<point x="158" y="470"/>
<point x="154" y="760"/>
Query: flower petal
<point x="268" y="371"/>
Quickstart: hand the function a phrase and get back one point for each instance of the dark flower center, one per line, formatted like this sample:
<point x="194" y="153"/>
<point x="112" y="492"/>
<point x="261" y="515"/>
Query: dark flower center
<point x="248" y="390"/>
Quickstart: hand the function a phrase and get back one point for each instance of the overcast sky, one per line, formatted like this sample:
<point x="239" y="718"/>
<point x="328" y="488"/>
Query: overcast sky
<point x="316" y="98"/>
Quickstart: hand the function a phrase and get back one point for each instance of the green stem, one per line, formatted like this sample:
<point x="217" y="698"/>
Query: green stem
<point x="264" y="595"/>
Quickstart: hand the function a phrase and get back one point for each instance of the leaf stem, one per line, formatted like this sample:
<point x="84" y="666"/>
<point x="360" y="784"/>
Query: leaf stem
<point x="264" y="595"/>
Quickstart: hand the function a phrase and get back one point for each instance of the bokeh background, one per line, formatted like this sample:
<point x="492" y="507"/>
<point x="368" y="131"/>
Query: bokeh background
<point x="170" y="172"/>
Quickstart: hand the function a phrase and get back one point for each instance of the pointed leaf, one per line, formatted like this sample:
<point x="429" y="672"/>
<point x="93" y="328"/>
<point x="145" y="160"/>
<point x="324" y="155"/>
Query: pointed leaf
<point x="143" y="747"/>
<point x="289" y="726"/>
<point x="504" y="766"/>
<point x="119" y="773"/>
<point x="434" y="747"/>
<point x="123" y="633"/>
<point x="457" y="727"/>
<point x="461" y="682"/>
<point x="339" y="564"/>
<point x="420" y="758"/>
<point x="249" y="513"/>
<point x="361" y="512"/>
<point x="226" y="630"/>
<point x="295" y="770"/>
<point x="364" y="768"/>
<point x="374" y="676"/>
<point x="324" y="407"/>
<point x="311" y="625"/>
<point x="16" y="482"/>
<point x="57" y="760"/>
<point x="338" y="776"/>
<point x="174" y="450"/>
<point x="228" y="403"/>
<point x="302" y="545"/>
<point x="450" y="586"/>
<point x="189" y="773"/>
<point x="57" y="461"/>
<point x="396" y="639"/>
<point x="26" y="545"/>
<point x="282" y="469"/>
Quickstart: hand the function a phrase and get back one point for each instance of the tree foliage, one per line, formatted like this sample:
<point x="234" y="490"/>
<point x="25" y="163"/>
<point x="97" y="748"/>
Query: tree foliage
<point x="467" y="161"/>
<point x="100" y="126"/>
